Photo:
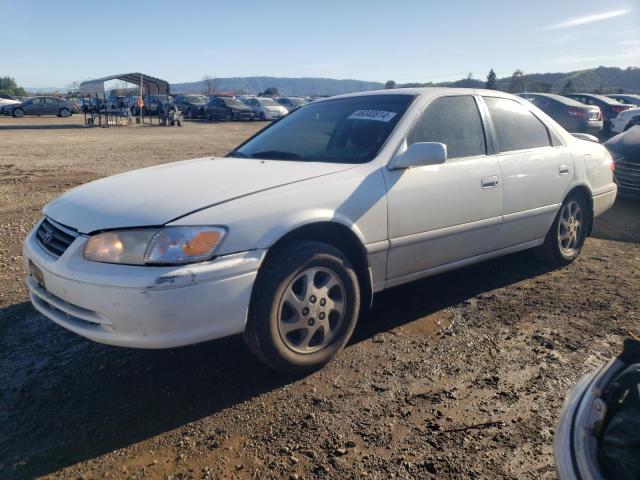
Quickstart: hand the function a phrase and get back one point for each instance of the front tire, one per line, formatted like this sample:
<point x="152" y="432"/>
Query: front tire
<point x="18" y="113"/>
<point x="567" y="234"/>
<point x="64" y="112"/>
<point x="304" y="307"/>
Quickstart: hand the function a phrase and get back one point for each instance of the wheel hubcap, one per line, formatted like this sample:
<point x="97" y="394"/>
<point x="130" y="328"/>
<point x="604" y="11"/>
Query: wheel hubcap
<point x="570" y="227"/>
<point x="311" y="310"/>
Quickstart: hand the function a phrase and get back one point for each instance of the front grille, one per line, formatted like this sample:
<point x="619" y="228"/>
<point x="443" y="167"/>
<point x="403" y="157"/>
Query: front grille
<point x="54" y="238"/>
<point x="627" y="174"/>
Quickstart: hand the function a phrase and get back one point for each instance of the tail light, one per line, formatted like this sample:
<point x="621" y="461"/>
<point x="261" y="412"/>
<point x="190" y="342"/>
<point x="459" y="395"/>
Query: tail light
<point x="619" y="109"/>
<point x="578" y="113"/>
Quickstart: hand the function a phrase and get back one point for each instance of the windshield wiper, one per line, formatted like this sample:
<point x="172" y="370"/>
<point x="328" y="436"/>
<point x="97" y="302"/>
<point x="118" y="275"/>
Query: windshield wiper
<point x="237" y="153"/>
<point x="276" y="154"/>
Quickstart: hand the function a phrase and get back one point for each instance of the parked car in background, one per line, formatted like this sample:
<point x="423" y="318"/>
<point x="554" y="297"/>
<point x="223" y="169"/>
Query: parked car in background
<point x="153" y="104"/>
<point x="597" y="435"/>
<point x="191" y="106"/>
<point x="291" y="103"/>
<point x="625" y="120"/>
<point x="227" y="108"/>
<point x="571" y="114"/>
<point x="39" y="106"/>
<point x="76" y="104"/>
<point x="286" y="237"/>
<point x="609" y="107"/>
<point x="625" y="149"/>
<point x="265" y="108"/>
<point x="6" y="99"/>
<point x="626" y="98"/>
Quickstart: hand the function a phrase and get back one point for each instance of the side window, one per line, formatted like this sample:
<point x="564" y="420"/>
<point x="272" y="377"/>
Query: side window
<point x="454" y="121"/>
<point x="516" y="127"/>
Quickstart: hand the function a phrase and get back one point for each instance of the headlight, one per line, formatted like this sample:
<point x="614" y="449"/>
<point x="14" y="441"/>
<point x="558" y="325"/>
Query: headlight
<point x="170" y="245"/>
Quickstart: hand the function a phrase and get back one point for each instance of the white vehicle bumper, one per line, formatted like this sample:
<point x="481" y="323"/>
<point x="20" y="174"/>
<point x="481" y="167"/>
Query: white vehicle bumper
<point x="141" y="306"/>
<point x="603" y="201"/>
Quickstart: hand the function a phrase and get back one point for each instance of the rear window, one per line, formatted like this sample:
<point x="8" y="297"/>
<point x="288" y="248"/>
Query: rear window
<point x="516" y="127"/>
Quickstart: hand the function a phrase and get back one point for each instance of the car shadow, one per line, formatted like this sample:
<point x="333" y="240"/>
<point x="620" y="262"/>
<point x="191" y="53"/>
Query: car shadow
<point x="64" y="399"/>
<point x="621" y="223"/>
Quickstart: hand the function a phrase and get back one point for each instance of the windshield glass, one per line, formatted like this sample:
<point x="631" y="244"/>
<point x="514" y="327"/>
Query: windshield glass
<point x="344" y="130"/>
<point x="197" y="98"/>
<point x="268" y="102"/>
<point x="232" y="102"/>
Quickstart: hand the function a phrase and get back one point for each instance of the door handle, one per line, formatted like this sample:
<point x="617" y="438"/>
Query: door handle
<point x="563" y="169"/>
<point x="489" y="182"/>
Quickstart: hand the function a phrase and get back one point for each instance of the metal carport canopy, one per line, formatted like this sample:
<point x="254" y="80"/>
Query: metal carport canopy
<point x="151" y="85"/>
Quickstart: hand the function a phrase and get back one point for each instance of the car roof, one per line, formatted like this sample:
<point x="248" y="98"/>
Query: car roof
<point x="602" y="98"/>
<point x="424" y="92"/>
<point x="558" y="98"/>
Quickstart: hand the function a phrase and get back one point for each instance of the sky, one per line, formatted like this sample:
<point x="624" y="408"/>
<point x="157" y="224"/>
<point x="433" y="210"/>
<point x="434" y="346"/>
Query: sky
<point x="51" y="44"/>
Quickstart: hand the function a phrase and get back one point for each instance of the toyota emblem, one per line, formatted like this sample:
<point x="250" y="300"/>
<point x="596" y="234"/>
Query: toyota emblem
<point x="47" y="237"/>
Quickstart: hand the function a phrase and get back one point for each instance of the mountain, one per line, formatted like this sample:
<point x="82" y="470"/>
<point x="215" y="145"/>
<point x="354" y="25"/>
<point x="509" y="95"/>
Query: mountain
<point x="285" y="86"/>
<point x="604" y="79"/>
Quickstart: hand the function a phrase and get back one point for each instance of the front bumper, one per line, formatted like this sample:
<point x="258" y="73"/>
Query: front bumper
<point x="142" y="306"/>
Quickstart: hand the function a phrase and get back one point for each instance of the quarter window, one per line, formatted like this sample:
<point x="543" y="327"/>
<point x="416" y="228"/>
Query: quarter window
<point x="454" y="121"/>
<point x="516" y="127"/>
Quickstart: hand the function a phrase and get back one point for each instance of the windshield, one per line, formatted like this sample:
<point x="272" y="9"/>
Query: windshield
<point x="197" y="98"/>
<point x="268" y="102"/>
<point x="345" y="130"/>
<point x="232" y="102"/>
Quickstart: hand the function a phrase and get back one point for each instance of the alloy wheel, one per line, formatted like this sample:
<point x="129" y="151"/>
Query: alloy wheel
<point x="311" y="310"/>
<point x="570" y="227"/>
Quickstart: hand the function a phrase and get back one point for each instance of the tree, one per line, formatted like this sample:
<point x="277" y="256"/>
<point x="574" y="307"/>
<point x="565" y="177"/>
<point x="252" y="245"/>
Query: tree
<point x="517" y="82"/>
<point x="390" y="84"/>
<point x="568" y="88"/>
<point x="269" y="92"/>
<point x="491" y="81"/>
<point x="9" y="85"/>
<point x="211" y="84"/>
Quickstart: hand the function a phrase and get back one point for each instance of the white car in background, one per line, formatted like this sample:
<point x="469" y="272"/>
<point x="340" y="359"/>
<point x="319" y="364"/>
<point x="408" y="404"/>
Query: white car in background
<point x="625" y="120"/>
<point x="266" y="108"/>
<point x="287" y="237"/>
<point x="7" y="100"/>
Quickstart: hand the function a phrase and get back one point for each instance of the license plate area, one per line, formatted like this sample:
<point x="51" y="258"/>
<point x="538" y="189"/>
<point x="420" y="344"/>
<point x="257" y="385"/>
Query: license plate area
<point x="36" y="274"/>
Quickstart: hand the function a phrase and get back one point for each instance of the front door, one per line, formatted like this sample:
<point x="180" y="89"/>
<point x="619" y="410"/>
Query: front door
<point x="440" y="214"/>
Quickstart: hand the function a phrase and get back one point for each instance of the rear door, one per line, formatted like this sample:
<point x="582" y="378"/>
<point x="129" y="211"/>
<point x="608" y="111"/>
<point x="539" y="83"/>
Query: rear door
<point x="439" y="214"/>
<point x="536" y="171"/>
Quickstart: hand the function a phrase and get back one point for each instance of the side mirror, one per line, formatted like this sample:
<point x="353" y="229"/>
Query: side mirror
<point x="587" y="137"/>
<point x="419" y="154"/>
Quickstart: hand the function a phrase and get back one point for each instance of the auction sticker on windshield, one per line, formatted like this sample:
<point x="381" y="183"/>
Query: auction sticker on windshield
<point x="377" y="115"/>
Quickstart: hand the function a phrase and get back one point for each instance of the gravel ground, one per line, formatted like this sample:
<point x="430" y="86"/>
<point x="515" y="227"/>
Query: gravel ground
<point x="461" y="375"/>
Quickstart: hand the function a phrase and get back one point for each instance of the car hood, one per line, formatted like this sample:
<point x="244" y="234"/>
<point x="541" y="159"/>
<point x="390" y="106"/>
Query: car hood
<point x="241" y="108"/>
<point x="157" y="195"/>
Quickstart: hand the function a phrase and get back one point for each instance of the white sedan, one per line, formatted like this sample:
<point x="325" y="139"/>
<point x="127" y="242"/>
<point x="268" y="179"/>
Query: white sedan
<point x="625" y="120"/>
<point x="265" y="108"/>
<point x="288" y="237"/>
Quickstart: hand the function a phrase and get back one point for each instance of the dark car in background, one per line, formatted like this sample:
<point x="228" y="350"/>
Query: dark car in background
<point x="191" y="106"/>
<point x="571" y="114"/>
<point x="39" y="106"/>
<point x="625" y="150"/>
<point x="626" y="98"/>
<point x="227" y="108"/>
<point x="609" y="107"/>
<point x="153" y="104"/>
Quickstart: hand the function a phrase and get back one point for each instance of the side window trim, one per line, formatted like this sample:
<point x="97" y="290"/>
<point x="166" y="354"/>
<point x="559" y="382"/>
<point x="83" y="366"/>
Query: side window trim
<point x="488" y="140"/>
<point x="494" y="137"/>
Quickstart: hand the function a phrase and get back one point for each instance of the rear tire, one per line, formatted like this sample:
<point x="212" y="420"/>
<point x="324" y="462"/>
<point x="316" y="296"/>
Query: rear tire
<point x="304" y="307"/>
<point x="567" y="234"/>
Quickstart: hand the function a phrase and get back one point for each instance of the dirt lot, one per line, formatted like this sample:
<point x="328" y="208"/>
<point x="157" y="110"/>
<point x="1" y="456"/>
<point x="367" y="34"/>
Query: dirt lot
<point x="457" y="376"/>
